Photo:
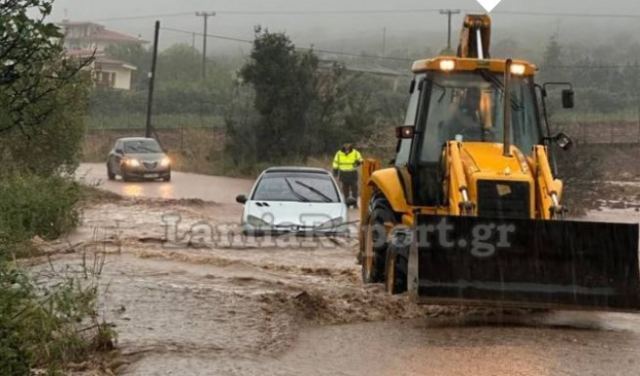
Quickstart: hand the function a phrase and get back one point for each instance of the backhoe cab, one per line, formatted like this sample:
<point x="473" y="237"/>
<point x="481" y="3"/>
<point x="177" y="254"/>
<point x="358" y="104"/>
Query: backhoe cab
<point x="472" y="211"/>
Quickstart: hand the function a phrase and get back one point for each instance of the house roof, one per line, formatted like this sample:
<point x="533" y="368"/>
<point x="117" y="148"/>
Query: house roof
<point x="114" y="36"/>
<point x="83" y="53"/>
<point x="99" y="58"/>
<point x="100" y="33"/>
<point x="103" y="60"/>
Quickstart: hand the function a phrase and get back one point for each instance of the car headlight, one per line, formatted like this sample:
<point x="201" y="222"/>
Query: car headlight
<point x="257" y="222"/>
<point x="165" y="162"/>
<point x="332" y="224"/>
<point x="132" y="162"/>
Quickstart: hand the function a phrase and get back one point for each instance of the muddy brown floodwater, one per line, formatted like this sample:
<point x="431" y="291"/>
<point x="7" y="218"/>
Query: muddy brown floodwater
<point x="201" y="304"/>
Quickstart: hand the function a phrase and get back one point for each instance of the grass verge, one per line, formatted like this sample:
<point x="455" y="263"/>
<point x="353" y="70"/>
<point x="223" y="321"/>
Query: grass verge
<point x="48" y="317"/>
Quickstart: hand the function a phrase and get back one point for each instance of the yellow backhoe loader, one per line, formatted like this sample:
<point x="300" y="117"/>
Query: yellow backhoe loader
<point x="470" y="212"/>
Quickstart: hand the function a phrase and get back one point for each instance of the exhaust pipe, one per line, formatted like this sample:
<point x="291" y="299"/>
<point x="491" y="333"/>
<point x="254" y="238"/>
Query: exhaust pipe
<point x="479" y="43"/>
<point x="507" y="109"/>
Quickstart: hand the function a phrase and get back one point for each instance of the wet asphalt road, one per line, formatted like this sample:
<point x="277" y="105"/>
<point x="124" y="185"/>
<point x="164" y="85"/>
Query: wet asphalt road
<point x="183" y="185"/>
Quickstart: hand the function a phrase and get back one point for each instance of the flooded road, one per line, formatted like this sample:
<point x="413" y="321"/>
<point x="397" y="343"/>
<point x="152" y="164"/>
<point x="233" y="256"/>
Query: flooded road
<point x="182" y="186"/>
<point x="186" y="301"/>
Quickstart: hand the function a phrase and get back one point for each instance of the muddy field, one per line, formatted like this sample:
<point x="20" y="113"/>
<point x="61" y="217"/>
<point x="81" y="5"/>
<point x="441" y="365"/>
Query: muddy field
<point x="197" y="300"/>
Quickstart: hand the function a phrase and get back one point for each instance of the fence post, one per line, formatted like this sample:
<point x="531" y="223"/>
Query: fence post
<point x="181" y="137"/>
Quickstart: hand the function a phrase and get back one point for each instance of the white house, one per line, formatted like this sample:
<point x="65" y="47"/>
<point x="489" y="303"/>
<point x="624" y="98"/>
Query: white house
<point x="85" y="39"/>
<point x="113" y="73"/>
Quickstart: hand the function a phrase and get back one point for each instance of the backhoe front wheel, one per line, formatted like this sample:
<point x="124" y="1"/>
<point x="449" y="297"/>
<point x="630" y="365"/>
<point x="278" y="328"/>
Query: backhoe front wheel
<point x="396" y="265"/>
<point x="379" y="224"/>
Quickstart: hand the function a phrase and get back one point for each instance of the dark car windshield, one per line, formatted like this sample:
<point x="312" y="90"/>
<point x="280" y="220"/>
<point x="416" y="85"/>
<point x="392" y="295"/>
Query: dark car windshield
<point x="296" y="187"/>
<point x="142" y="147"/>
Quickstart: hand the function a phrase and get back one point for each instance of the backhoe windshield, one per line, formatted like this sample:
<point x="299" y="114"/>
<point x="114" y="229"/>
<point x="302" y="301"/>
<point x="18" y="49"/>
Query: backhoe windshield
<point x="468" y="106"/>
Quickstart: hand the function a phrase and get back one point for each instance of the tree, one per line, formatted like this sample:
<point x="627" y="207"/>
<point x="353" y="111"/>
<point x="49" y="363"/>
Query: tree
<point x="41" y="93"/>
<point x="284" y="81"/>
<point x="180" y="62"/>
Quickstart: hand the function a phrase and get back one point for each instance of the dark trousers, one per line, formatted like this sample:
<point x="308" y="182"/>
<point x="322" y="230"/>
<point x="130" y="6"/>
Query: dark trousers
<point x="349" y="180"/>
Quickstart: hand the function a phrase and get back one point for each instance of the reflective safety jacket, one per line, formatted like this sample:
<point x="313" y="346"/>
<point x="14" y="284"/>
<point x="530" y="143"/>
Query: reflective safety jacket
<point x="347" y="162"/>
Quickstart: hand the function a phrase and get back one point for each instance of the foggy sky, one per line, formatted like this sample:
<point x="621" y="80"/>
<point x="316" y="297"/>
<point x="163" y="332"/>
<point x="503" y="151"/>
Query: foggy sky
<point x="333" y="28"/>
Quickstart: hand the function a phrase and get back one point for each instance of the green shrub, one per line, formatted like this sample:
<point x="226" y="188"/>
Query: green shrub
<point x="36" y="206"/>
<point x="43" y="325"/>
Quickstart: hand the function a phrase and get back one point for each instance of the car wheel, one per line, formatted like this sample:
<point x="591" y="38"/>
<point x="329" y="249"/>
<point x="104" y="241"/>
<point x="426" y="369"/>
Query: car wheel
<point x="381" y="221"/>
<point x="110" y="174"/>
<point x="167" y="178"/>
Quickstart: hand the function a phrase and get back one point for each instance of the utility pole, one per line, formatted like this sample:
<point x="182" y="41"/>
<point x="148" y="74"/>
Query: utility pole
<point x="449" y="13"/>
<point x="205" y="16"/>
<point x="152" y="79"/>
<point x="384" y="41"/>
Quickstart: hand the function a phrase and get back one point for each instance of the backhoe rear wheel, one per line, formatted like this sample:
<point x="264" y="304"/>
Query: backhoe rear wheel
<point x="396" y="269"/>
<point x="379" y="224"/>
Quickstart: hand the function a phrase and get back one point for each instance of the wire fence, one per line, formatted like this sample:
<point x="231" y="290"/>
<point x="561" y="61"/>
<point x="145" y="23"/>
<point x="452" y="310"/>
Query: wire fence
<point x="602" y="132"/>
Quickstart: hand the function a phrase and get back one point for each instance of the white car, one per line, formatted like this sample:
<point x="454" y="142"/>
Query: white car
<point x="294" y="200"/>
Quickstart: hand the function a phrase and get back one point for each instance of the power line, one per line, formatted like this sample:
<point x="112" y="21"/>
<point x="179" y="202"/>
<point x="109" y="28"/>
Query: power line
<point x="567" y="14"/>
<point x="327" y="12"/>
<point x="368" y="12"/>
<point x="142" y="17"/>
<point x="395" y="58"/>
<point x="209" y="35"/>
<point x="273" y="13"/>
<point x="319" y="50"/>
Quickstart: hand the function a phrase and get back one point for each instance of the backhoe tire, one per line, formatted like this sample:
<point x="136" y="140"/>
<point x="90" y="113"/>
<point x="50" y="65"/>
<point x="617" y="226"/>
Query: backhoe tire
<point x="381" y="220"/>
<point x="396" y="266"/>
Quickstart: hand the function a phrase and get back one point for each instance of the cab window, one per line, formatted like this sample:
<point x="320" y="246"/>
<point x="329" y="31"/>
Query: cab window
<point x="404" y="146"/>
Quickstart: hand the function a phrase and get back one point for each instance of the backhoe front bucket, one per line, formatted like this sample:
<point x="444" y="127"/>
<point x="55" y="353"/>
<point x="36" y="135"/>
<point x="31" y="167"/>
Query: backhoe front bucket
<point x="526" y="263"/>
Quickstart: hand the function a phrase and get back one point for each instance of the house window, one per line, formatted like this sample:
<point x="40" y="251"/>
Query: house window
<point x="105" y="79"/>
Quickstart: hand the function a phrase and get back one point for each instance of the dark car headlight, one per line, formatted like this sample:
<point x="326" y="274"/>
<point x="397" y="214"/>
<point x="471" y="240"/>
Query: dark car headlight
<point x="165" y="162"/>
<point x="132" y="162"/>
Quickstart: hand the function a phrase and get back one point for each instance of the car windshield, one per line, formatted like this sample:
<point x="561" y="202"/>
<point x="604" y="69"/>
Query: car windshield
<point x="296" y="187"/>
<point x="468" y="107"/>
<point x="142" y="147"/>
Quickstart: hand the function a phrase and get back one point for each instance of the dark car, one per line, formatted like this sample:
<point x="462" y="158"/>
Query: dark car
<point x="138" y="158"/>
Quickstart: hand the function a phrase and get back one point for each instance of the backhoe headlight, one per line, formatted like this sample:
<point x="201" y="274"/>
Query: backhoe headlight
<point x="132" y="162"/>
<point x="165" y="162"/>
<point x="518" y="69"/>
<point x="447" y="65"/>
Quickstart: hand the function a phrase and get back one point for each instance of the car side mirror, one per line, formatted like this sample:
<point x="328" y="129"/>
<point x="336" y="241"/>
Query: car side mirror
<point x="351" y="201"/>
<point x="241" y="199"/>
<point x="119" y="151"/>
<point x="563" y="141"/>
<point x="568" y="98"/>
